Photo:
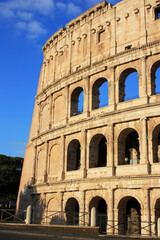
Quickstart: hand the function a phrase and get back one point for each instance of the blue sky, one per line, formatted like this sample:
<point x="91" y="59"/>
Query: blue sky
<point x="25" y="26"/>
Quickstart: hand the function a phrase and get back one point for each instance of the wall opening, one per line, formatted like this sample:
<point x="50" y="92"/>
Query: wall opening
<point x="77" y="101"/>
<point x="128" y="147"/>
<point x="156" y="144"/>
<point x="98" y="151"/>
<point x="100" y="94"/>
<point x="73" y="155"/>
<point x="157" y="213"/>
<point x="155" y="78"/>
<point x="129" y="216"/>
<point x="157" y="13"/>
<point x="72" y="212"/>
<point x="128" y="85"/>
<point x="98" y="213"/>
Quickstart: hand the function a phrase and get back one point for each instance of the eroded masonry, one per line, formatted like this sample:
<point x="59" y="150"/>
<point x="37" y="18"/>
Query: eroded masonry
<point x="93" y="154"/>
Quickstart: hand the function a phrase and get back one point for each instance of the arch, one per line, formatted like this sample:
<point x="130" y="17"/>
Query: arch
<point x="100" y="93"/>
<point x="73" y="155"/>
<point x="77" y="101"/>
<point x="98" y="151"/>
<point x="45" y="118"/>
<point x="128" y="147"/>
<point x="59" y="104"/>
<point x="156" y="143"/>
<point x="128" y="85"/>
<point x="155" y="78"/>
<point x="129" y="216"/>
<point x="157" y="213"/>
<point x="98" y="210"/>
<point x="54" y="159"/>
<point x="72" y="211"/>
<point x="40" y="163"/>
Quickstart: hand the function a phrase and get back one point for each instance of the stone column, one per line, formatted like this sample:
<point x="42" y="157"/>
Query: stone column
<point x="110" y="220"/>
<point x="111" y="86"/>
<point x="63" y="158"/>
<point x="93" y="217"/>
<point x="46" y="161"/>
<point x="43" y="75"/>
<point x="67" y="102"/>
<point x="143" y="91"/>
<point x="158" y="227"/>
<point x="144" y="147"/>
<point x="29" y="215"/>
<point x="83" y="152"/>
<point x="34" y="166"/>
<point x="87" y="95"/>
<point x="145" y="225"/>
<point x="110" y="150"/>
<point x="38" y="118"/>
<point x="51" y="68"/>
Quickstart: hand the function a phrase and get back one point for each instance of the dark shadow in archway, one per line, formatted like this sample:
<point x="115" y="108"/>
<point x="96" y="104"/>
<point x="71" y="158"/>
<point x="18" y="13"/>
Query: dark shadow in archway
<point x="72" y="212"/>
<point x="129" y="216"/>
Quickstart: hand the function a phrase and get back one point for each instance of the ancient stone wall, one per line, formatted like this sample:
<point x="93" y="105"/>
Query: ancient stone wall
<point x="104" y="152"/>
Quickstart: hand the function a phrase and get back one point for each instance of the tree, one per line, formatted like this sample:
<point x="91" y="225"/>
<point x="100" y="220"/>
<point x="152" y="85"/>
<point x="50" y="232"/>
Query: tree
<point x="10" y="173"/>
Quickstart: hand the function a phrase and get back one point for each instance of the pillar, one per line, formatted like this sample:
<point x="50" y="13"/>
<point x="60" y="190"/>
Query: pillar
<point x="67" y="103"/>
<point x="144" y="147"/>
<point x="111" y="86"/>
<point x="83" y="152"/>
<point x="110" y="150"/>
<point x="93" y="217"/>
<point x="158" y="227"/>
<point x="145" y="224"/>
<point x="46" y="161"/>
<point x="143" y="91"/>
<point x="87" y="95"/>
<point x="63" y="157"/>
<point x="29" y="215"/>
<point x="110" y="212"/>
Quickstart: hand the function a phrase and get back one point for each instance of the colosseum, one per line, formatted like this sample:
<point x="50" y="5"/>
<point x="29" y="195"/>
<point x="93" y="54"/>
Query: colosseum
<point x="93" y="155"/>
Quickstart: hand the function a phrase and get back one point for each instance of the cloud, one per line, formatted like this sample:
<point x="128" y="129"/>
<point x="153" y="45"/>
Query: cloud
<point x="70" y="8"/>
<point x="24" y="15"/>
<point x="33" y="29"/>
<point x="40" y="6"/>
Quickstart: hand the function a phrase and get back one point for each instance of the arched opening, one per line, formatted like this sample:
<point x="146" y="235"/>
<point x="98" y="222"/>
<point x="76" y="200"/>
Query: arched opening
<point x="73" y="155"/>
<point x="100" y="93"/>
<point x="155" y="78"/>
<point x="72" y="212"/>
<point x="128" y="147"/>
<point x="98" y="151"/>
<point x="128" y="85"/>
<point x="98" y="213"/>
<point x="157" y="213"/>
<point x="156" y="144"/>
<point x="77" y="101"/>
<point x="129" y="216"/>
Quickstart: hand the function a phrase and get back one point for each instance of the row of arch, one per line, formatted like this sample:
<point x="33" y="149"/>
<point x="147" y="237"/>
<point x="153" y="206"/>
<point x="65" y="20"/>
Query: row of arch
<point x="128" y="149"/>
<point x="130" y="211"/>
<point x="128" y="89"/>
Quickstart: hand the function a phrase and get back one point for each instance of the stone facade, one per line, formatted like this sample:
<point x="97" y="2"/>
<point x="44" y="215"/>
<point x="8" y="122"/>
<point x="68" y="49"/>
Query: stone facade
<point x="102" y="160"/>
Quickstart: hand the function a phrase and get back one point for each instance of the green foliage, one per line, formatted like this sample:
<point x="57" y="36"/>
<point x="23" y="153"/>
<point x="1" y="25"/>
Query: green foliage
<point x="10" y="173"/>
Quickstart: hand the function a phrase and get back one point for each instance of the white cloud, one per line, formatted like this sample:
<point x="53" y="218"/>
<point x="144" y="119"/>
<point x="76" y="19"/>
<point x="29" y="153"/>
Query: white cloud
<point x="42" y="6"/>
<point x="33" y="29"/>
<point x="61" y="5"/>
<point x="24" y="15"/>
<point x="70" y="8"/>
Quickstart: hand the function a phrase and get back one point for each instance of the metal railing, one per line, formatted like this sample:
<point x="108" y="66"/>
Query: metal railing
<point x="11" y="216"/>
<point x="125" y="227"/>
